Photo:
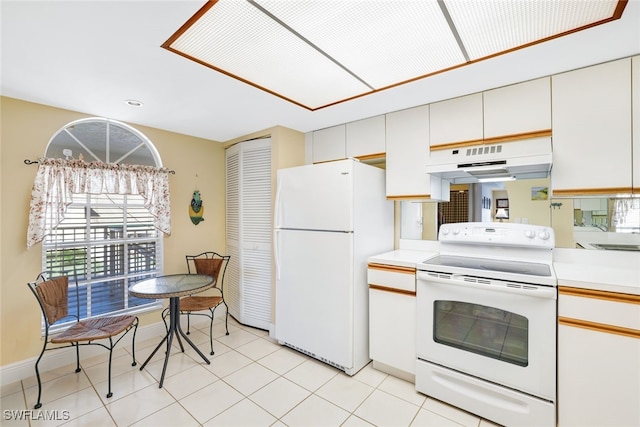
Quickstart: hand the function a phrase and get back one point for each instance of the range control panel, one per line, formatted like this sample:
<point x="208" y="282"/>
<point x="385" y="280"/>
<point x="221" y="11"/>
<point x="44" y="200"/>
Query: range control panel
<point x="497" y="233"/>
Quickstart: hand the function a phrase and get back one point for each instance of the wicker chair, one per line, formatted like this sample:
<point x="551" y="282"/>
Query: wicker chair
<point x="53" y="298"/>
<point x="215" y="265"/>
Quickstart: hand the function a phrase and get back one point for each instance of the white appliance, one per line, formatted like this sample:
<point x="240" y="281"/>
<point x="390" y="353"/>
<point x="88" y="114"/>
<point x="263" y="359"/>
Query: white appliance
<point x="487" y="322"/>
<point x="521" y="159"/>
<point x="329" y="218"/>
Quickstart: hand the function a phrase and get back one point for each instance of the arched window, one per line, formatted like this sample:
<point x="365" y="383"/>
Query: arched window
<point x="108" y="240"/>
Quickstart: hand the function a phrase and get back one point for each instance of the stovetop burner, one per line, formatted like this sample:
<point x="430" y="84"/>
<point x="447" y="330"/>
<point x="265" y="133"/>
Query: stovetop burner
<point x="493" y="265"/>
<point x="502" y="251"/>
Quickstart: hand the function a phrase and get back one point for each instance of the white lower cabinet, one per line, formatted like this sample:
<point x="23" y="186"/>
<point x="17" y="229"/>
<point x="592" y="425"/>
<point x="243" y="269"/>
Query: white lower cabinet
<point x="598" y="358"/>
<point x="392" y="319"/>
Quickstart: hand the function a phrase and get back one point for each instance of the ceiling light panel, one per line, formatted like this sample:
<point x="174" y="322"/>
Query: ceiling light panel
<point x="490" y="27"/>
<point x="382" y="42"/>
<point x="238" y="39"/>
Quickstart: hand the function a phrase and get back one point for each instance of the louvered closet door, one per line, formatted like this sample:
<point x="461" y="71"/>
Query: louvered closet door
<point x="249" y="232"/>
<point x="232" y="276"/>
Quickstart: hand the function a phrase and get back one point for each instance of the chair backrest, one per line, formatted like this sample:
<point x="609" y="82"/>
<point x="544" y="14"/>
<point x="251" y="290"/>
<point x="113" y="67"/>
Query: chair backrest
<point x="53" y="296"/>
<point x="211" y="263"/>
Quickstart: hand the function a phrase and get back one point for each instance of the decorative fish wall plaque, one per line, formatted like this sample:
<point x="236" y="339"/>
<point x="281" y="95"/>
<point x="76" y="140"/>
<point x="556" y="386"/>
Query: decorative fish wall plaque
<point x="196" y="208"/>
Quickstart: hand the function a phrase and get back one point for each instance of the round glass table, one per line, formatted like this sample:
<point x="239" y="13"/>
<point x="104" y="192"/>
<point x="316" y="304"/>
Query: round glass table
<point x="172" y="286"/>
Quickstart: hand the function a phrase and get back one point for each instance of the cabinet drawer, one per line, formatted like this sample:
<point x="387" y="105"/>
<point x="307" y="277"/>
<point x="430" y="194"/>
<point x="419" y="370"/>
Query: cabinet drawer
<point x="605" y="311"/>
<point x="392" y="278"/>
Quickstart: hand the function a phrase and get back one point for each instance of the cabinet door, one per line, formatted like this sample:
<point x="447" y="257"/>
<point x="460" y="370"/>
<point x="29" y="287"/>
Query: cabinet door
<point x="365" y="138"/>
<point x="407" y="135"/>
<point x="591" y="113"/>
<point x="329" y="144"/>
<point x="456" y="120"/>
<point x="518" y="109"/>
<point x="635" y="85"/>
<point x="598" y="358"/>
<point x="598" y="378"/>
<point x="392" y="329"/>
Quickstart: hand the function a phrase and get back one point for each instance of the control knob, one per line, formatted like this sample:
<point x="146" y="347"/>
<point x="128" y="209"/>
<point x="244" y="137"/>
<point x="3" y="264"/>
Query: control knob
<point x="529" y="233"/>
<point x="543" y="234"/>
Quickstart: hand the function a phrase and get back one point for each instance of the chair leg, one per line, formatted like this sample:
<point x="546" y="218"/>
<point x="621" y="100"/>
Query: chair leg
<point x="39" y="403"/>
<point x="109" y="394"/>
<point x="188" y="323"/>
<point x="211" y="330"/>
<point x="77" y="345"/>
<point x="133" y="342"/>
<point x="164" y="319"/>
<point x="226" y="320"/>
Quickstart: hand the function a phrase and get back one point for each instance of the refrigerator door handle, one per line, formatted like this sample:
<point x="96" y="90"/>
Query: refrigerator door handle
<point x="277" y="217"/>
<point x="276" y="258"/>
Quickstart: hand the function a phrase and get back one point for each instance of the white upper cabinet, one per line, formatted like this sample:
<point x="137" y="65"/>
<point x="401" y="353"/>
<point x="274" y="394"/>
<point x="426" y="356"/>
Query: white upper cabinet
<point x="635" y="87"/>
<point x="365" y="138"/>
<point x="456" y="120"/>
<point x="329" y="144"/>
<point x="518" y="110"/>
<point x="407" y="135"/>
<point x="591" y="116"/>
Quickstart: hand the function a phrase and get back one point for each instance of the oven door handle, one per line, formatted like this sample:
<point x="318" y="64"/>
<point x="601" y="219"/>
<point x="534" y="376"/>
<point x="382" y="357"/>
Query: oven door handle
<point x="545" y="292"/>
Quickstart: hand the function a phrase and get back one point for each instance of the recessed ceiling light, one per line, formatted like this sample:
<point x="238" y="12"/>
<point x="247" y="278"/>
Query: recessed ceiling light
<point x="133" y="103"/>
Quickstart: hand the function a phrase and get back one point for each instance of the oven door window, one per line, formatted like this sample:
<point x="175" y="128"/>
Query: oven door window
<point x="483" y="330"/>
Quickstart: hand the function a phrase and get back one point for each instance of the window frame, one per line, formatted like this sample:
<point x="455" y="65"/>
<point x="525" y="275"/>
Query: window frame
<point x="124" y="203"/>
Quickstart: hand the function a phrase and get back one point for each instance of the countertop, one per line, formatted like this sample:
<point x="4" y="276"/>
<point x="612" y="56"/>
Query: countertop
<point x="408" y="254"/>
<point x="402" y="257"/>
<point x="612" y="271"/>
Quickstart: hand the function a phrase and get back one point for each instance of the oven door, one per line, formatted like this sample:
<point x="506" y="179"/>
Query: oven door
<point x="498" y="331"/>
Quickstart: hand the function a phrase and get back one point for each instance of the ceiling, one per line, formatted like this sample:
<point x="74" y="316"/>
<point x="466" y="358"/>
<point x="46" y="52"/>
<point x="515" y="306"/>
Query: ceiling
<point x="92" y="56"/>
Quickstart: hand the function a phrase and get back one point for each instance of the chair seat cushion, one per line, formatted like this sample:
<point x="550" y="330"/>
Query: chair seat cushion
<point x="95" y="329"/>
<point x="199" y="303"/>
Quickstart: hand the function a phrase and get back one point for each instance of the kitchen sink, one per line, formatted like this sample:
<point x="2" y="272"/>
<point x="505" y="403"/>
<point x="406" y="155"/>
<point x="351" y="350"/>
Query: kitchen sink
<point x="616" y="247"/>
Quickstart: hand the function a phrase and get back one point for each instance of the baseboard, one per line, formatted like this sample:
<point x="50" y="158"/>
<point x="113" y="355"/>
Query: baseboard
<point x="398" y="373"/>
<point x="55" y="359"/>
<point x="272" y="331"/>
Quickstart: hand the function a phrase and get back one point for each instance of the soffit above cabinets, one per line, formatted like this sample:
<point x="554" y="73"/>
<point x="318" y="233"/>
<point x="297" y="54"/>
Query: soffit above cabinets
<point x="318" y="53"/>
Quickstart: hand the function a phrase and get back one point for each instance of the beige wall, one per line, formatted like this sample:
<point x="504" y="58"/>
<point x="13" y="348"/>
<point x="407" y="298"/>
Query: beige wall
<point x="522" y="208"/>
<point x="26" y="128"/>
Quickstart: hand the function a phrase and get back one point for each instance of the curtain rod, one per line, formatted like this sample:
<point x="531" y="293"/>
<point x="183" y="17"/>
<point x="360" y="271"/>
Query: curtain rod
<point x="35" y="162"/>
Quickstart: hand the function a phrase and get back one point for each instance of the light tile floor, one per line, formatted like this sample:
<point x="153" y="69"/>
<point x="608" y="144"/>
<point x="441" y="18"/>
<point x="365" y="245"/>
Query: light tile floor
<point x="251" y="381"/>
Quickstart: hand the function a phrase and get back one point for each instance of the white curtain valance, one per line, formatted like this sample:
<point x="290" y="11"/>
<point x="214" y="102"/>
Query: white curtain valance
<point x="57" y="179"/>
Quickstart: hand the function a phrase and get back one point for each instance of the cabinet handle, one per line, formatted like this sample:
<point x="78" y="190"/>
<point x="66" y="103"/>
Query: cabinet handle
<point x="392" y="268"/>
<point x="392" y="290"/>
<point x="604" y="295"/>
<point x="599" y="327"/>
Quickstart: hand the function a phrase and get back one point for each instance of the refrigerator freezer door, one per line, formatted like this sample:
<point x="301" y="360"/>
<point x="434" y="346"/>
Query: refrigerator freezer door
<point x="314" y="293"/>
<point x="315" y="197"/>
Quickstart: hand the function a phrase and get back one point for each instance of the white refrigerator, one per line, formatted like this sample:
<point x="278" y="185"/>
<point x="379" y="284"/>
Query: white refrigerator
<point x="329" y="218"/>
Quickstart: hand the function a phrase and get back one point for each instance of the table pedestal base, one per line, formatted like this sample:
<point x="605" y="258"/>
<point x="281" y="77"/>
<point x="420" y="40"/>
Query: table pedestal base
<point x="174" y="329"/>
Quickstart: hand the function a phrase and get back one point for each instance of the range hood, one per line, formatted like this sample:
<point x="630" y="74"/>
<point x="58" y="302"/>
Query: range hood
<point x="521" y="159"/>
